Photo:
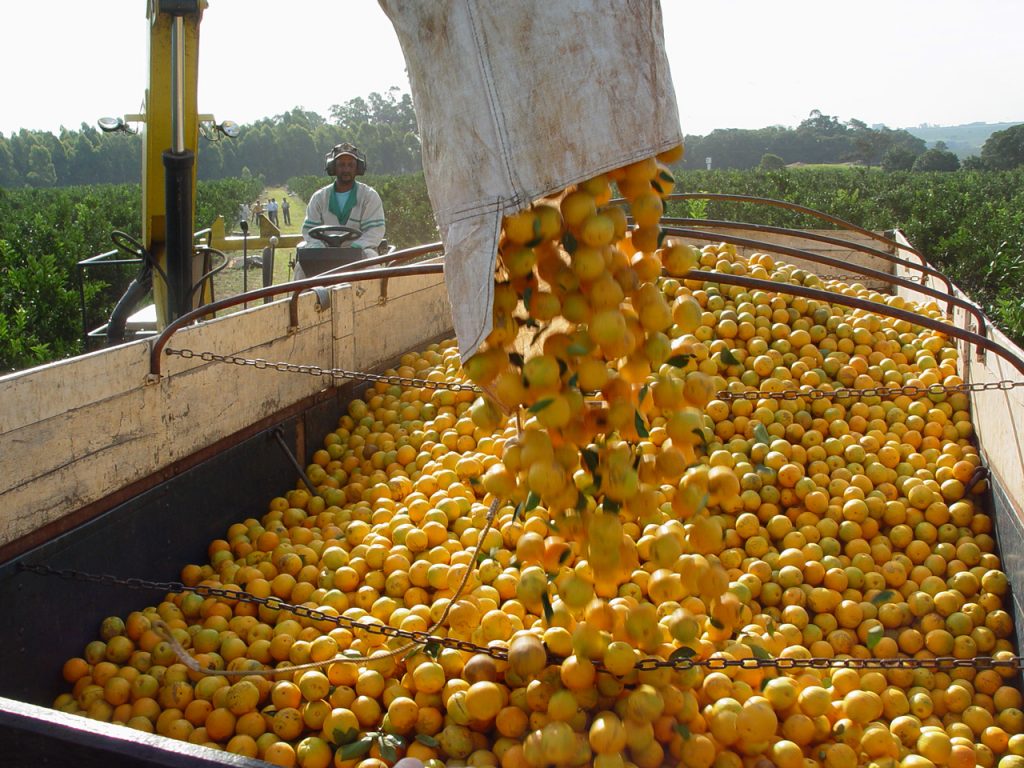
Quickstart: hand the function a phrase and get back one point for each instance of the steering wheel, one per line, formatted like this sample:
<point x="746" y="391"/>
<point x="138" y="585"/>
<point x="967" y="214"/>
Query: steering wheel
<point x="335" y="235"/>
<point x="128" y="244"/>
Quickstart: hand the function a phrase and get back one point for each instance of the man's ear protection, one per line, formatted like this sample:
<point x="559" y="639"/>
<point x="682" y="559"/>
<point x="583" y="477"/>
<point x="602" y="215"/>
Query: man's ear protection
<point x="344" y="149"/>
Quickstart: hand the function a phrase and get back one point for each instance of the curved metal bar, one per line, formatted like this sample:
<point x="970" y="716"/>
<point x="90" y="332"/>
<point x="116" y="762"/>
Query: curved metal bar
<point x="212" y="272"/>
<point x="841" y="223"/>
<point x="403" y="255"/>
<point x="951" y="301"/>
<point x="851" y="301"/>
<point x="817" y="237"/>
<point x="273" y="290"/>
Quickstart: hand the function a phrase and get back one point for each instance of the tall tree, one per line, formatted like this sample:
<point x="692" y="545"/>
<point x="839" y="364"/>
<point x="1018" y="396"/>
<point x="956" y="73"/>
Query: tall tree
<point x="938" y="158"/>
<point x="898" y="158"/>
<point x="41" y="172"/>
<point x="9" y="176"/>
<point x="1004" y="150"/>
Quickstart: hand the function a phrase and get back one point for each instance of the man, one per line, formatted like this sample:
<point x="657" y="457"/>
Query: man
<point x="347" y="202"/>
<point x="286" y="211"/>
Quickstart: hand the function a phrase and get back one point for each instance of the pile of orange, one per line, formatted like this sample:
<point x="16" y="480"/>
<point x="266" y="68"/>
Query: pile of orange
<point x="640" y="515"/>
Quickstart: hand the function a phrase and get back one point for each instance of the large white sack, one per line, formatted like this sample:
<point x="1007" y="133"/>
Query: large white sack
<point x="517" y="100"/>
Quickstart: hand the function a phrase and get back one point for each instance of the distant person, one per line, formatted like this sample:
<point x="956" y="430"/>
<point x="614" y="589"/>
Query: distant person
<point x="272" y="211"/>
<point x="347" y="202"/>
<point x="257" y="209"/>
<point x="244" y="212"/>
<point x="286" y="211"/>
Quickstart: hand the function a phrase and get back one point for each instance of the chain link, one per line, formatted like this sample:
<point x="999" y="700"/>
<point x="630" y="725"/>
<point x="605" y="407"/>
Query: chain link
<point x="682" y="663"/>
<point x="724" y="395"/>
<point x="316" y="370"/>
<point x="884" y="392"/>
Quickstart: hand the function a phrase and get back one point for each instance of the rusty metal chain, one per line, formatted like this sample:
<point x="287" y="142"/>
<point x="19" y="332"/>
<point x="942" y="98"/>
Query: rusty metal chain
<point x="274" y="603"/>
<point x="850" y="392"/>
<point x="680" y="663"/>
<point x="724" y="395"/>
<point x="316" y="370"/>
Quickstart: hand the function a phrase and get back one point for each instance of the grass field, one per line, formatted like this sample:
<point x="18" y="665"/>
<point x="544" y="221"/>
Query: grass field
<point x="232" y="279"/>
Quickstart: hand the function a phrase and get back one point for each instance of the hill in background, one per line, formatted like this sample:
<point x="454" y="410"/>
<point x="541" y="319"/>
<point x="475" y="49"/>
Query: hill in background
<point x="963" y="140"/>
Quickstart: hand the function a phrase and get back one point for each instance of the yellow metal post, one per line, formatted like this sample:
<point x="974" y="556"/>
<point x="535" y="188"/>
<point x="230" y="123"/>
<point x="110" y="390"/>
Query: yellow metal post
<point x="158" y="133"/>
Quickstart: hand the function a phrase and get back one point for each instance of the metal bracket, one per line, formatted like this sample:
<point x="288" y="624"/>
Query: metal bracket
<point x="323" y="298"/>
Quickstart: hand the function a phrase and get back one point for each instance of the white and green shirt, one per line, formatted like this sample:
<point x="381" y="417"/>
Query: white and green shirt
<point x="360" y="208"/>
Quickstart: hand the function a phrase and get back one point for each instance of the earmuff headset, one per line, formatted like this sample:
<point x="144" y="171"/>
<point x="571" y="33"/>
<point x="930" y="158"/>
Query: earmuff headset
<point x="344" y="149"/>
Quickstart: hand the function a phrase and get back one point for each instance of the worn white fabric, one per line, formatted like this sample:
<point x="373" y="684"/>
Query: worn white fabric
<point x="517" y="100"/>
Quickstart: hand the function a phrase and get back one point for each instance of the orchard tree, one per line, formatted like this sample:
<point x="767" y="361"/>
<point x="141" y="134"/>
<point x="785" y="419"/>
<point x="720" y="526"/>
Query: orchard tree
<point x="1004" y="150"/>
<point x="938" y="158"/>
<point x="40" y="167"/>
<point x="898" y="158"/>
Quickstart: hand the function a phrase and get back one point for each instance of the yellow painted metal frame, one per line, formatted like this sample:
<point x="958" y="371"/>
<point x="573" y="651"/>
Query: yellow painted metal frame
<point x="268" y="235"/>
<point x="157" y="136"/>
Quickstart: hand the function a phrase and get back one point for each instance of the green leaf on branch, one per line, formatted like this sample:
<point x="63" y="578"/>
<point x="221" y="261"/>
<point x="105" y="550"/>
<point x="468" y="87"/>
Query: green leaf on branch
<point x="540" y="405"/>
<point x="532" y="502"/>
<point x="641" y="427"/>
<point x="729" y="358"/>
<point x="546" y="603"/>
<point x="356" y="749"/>
<point x="761" y="434"/>
<point x="875" y="635"/>
<point x="682" y="652"/>
<point x="389" y="745"/>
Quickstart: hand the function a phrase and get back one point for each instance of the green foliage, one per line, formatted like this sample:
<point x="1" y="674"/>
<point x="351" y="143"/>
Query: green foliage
<point x="969" y="224"/>
<point x="410" y="219"/>
<point x="938" y="158"/>
<point x="35" y="302"/>
<point x="770" y="162"/>
<point x="222" y="198"/>
<point x="898" y="159"/>
<point x="45" y="232"/>
<point x="818" y="139"/>
<point x="382" y="126"/>
<point x="305" y="186"/>
<point x="1004" y="150"/>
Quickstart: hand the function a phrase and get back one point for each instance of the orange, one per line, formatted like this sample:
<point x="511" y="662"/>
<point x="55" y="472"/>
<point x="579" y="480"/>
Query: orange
<point x="220" y="724"/>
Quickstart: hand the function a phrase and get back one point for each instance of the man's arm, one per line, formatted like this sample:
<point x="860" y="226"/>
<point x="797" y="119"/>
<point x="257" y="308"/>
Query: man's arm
<point x="314" y="218"/>
<point x="371" y="220"/>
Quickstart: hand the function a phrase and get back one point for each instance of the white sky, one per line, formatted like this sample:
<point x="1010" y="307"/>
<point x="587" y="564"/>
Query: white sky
<point x="735" y="63"/>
